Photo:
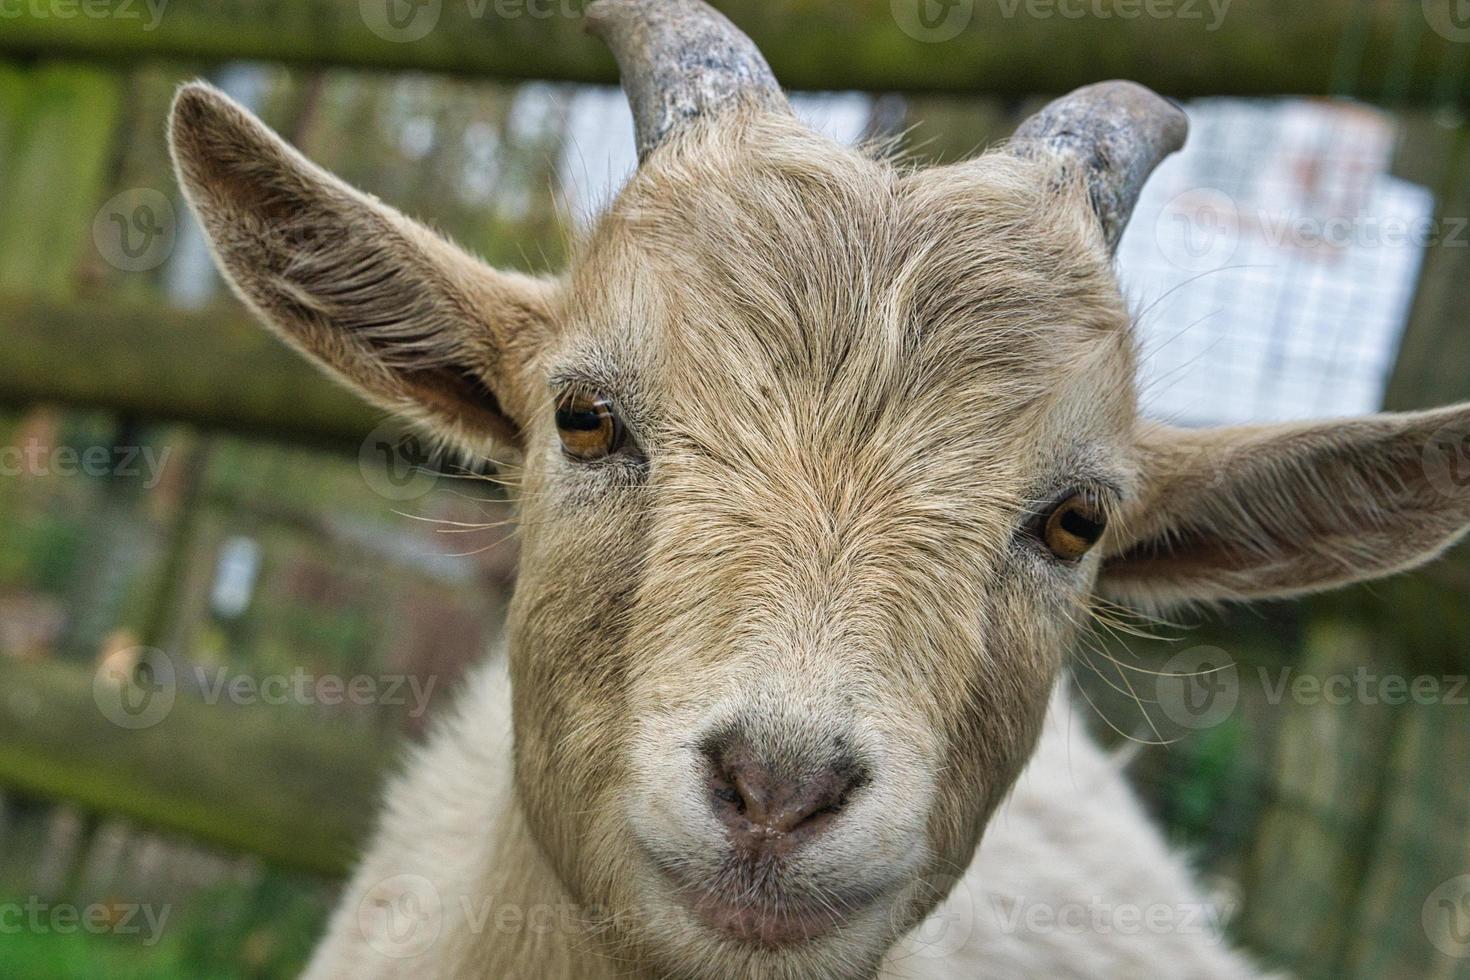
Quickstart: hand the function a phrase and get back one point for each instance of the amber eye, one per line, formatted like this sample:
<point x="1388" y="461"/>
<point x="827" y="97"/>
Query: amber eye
<point x="1073" y="527"/>
<point x="588" y="426"/>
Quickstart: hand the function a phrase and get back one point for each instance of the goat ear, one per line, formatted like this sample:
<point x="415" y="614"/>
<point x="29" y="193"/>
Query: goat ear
<point x="1271" y="511"/>
<point x="384" y="304"/>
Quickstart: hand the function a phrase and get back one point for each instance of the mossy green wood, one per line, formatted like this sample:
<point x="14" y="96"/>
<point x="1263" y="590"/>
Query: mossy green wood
<point x="216" y="369"/>
<point x="282" y="783"/>
<point x="1323" y="790"/>
<point x="1423" y="842"/>
<point x="1420" y="835"/>
<point x="59" y="123"/>
<point x="1434" y="359"/>
<point x="1013" y="47"/>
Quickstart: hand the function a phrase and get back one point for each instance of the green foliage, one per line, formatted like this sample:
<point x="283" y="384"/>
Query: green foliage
<point x="251" y="780"/>
<point x="267" y="930"/>
<point x="41" y="552"/>
<point x="55" y="175"/>
<point x="1207" y="781"/>
<point x="83" y="956"/>
<point x="233" y="932"/>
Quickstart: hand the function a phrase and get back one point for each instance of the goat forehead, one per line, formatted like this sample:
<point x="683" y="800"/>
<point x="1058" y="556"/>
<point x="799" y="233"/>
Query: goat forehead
<point x="870" y="370"/>
<point x="798" y="315"/>
<point x="810" y="265"/>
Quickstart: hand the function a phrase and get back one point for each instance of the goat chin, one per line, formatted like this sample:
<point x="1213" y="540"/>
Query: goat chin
<point x="1070" y="880"/>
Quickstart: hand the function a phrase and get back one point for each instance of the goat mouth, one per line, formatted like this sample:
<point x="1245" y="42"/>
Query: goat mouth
<point x="764" y="919"/>
<point x="763" y="924"/>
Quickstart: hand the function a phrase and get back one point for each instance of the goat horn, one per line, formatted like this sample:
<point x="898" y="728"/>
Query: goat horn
<point x="1117" y="133"/>
<point x="680" y="60"/>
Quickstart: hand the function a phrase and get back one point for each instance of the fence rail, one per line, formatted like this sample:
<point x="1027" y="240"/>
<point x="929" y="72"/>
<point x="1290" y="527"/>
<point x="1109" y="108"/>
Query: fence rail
<point x="216" y="369"/>
<point x="263" y="780"/>
<point x="275" y="784"/>
<point x="1399" y="52"/>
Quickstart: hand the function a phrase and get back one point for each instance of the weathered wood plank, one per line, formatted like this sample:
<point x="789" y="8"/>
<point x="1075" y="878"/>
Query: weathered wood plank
<point x="60" y="126"/>
<point x="215" y="369"/>
<point x="298" y="791"/>
<point x="1003" y="47"/>
<point x="1434" y="358"/>
<point x="1325" y="789"/>
<point x="1399" y="927"/>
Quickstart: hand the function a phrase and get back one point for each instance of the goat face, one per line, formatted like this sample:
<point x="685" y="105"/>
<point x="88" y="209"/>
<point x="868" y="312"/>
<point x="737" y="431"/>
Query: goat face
<point x="790" y="630"/>
<point x="820" y="460"/>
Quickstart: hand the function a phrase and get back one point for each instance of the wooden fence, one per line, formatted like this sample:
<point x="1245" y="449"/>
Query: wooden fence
<point x="1339" y="821"/>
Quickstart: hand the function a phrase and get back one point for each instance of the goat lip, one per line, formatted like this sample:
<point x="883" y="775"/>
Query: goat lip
<point x="769" y="926"/>
<point x="765" y="922"/>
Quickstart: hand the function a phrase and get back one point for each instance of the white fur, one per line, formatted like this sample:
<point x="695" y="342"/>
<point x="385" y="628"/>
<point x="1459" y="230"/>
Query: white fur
<point x="1070" y="880"/>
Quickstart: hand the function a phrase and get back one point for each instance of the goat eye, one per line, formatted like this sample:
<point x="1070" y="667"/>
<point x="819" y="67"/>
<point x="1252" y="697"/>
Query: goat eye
<point x="588" y="426"/>
<point x="1073" y="527"/>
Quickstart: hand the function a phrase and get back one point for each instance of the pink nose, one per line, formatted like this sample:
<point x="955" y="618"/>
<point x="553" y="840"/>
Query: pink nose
<point x="769" y="812"/>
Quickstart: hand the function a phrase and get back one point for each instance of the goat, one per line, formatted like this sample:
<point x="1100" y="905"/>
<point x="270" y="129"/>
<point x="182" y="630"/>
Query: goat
<point x="820" y="462"/>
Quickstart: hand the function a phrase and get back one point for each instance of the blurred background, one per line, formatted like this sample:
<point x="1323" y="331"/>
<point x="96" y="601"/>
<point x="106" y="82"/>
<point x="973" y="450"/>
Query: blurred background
<point x="230" y="594"/>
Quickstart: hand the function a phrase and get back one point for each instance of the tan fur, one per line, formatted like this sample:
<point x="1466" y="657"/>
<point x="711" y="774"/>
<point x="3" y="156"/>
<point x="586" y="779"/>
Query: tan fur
<point x="1276" y="510"/>
<point x="853" y="384"/>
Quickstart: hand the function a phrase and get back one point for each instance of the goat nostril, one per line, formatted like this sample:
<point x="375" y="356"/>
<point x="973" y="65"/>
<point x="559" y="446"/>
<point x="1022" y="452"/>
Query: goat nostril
<point x="729" y="794"/>
<point x="766" y="811"/>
